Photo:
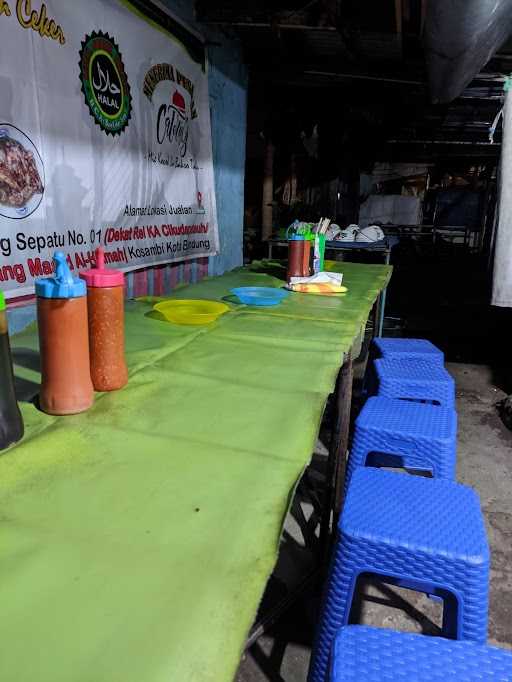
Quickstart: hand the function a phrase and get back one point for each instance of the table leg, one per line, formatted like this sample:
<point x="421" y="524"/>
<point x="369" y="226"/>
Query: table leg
<point x="382" y="308"/>
<point x="382" y="300"/>
<point x="270" y="245"/>
<point x="333" y="499"/>
<point x="280" y="608"/>
<point x="338" y="447"/>
<point x="376" y="317"/>
<point x="343" y="426"/>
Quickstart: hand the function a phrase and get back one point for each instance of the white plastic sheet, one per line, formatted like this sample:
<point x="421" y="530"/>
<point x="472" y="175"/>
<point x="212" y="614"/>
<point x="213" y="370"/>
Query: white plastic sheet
<point x="390" y="208"/>
<point x="502" y="277"/>
<point x="460" y="38"/>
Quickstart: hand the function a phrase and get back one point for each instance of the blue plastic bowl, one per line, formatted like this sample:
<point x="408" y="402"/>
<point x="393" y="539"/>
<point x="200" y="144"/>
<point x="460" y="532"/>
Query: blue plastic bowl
<point x="260" y="295"/>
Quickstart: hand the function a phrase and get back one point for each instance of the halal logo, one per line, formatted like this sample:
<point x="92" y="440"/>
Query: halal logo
<point x="104" y="83"/>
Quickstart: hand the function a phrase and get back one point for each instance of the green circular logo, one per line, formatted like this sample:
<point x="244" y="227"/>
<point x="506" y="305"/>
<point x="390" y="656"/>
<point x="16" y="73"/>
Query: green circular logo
<point x="104" y="83"/>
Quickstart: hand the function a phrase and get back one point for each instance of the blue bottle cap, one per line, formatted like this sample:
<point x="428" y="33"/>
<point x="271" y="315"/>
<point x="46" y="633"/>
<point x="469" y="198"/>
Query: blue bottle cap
<point x="62" y="284"/>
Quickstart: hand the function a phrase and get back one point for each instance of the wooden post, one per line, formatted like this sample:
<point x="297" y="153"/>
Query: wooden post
<point x="398" y="21"/>
<point x="268" y="191"/>
<point x="423" y="16"/>
<point x="398" y="18"/>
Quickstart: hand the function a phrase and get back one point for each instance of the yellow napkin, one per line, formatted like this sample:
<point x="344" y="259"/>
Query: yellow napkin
<point x="325" y="289"/>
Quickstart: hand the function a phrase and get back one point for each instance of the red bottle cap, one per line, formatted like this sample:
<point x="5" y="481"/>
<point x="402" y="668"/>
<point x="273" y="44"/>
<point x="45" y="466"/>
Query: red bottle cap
<point x="100" y="276"/>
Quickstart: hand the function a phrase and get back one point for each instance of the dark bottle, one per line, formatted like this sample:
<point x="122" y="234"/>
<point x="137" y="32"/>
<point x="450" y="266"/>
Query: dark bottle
<point x="11" y="423"/>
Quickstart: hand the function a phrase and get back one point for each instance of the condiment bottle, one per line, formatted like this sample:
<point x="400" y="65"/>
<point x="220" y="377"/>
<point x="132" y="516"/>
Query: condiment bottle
<point x="299" y="251"/>
<point x="105" y="302"/>
<point x="66" y="386"/>
<point x="11" y="422"/>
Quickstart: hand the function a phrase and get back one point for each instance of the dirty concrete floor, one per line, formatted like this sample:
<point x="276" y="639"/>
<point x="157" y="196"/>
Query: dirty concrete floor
<point x="484" y="462"/>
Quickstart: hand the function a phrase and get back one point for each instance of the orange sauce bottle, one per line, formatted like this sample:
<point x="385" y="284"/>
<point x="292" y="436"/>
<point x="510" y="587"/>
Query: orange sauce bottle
<point x="66" y="386"/>
<point x="105" y="303"/>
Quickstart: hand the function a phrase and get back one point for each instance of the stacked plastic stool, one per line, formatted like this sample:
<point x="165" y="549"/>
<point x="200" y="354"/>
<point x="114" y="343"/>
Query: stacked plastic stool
<point x="398" y="348"/>
<point x="414" y="379"/>
<point x="377" y="655"/>
<point x="399" y="433"/>
<point x="420" y="533"/>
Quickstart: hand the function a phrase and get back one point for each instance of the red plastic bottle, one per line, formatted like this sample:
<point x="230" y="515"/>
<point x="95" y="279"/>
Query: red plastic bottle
<point x="299" y="251"/>
<point x="105" y="303"/>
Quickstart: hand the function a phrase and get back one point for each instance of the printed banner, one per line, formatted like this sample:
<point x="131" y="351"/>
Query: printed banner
<point x="104" y="139"/>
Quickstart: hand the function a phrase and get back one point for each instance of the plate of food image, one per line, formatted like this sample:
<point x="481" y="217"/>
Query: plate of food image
<point x="21" y="173"/>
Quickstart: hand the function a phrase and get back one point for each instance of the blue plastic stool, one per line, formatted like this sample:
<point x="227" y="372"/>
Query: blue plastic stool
<point x="399" y="433"/>
<point x="424" y="534"/>
<point x="414" y="379"/>
<point x="396" y="348"/>
<point x="377" y="655"/>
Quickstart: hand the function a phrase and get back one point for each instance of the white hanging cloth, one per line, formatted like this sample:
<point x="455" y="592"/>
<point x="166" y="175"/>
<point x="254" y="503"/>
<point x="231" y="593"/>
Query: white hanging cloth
<point x="502" y="276"/>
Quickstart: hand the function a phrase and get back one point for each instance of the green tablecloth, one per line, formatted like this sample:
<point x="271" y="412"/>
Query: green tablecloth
<point x="136" y="539"/>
